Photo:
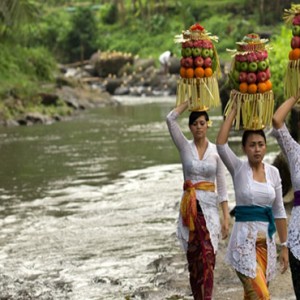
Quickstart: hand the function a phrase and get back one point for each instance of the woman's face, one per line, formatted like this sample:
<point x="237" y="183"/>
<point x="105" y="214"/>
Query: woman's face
<point x="199" y="127"/>
<point x="255" y="148"/>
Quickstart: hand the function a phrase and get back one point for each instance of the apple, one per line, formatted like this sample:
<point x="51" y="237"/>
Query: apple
<point x="207" y="44"/>
<point x="196" y="51"/>
<point x="251" y="57"/>
<point x="295" y="42"/>
<point x="252" y="67"/>
<point x="187" y="52"/>
<point x="267" y="62"/>
<point x="182" y="62"/>
<point x="265" y="54"/>
<point x="251" y="77"/>
<point x="262" y="65"/>
<point x="207" y="62"/>
<point x="237" y="65"/>
<point x="236" y="75"/>
<point x="188" y="62"/>
<point x="183" y="52"/>
<point x="198" y="61"/>
<point x="261" y="76"/>
<point x="240" y="57"/>
<point x="198" y="44"/>
<point x="211" y="53"/>
<point x="187" y="44"/>
<point x="296" y="30"/>
<point x="268" y="73"/>
<point x="296" y="20"/>
<point x="243" y="77"/>
<point x="205" y="52"/>
<point x="244" y="66"/>
<point x="259" y="55"/>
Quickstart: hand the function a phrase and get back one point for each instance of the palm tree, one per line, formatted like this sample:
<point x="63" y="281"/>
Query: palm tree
<point x="14" y="13"/>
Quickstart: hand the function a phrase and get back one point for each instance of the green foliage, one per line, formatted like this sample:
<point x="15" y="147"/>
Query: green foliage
<point x="16" y="13"/>
<point x="109" y="13"/>
<point x="40" y="63"/>
<point x="51" y="32"/>
<point x="81" y="39"/>
<point x="278" y="62"/>
<point x="155" y="24"/>
<point x="23" y="69"/>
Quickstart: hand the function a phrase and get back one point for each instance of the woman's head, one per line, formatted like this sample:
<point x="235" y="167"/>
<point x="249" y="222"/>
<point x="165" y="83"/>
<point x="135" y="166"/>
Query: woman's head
<point x="198" y="123"/>
<point x="248" y="133"/>
<point x="194" y="115"/>
<point x="254" y="145"/>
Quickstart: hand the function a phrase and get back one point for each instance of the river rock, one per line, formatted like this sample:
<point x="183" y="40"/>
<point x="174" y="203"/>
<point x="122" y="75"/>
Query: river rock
<point x="32" y="118"/>
<point x="122" y="90"/>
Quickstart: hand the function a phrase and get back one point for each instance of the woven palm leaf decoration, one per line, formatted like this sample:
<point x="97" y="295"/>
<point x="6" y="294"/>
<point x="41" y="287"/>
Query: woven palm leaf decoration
<point x="199" y="71"/>
<point x="249" y="77"/>
<point x="292" y="75"/>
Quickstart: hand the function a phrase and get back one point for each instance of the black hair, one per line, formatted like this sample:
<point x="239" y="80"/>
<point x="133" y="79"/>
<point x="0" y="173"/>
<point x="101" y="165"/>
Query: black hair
<point x="247" y="133"/>
<point x="194" y="115"/>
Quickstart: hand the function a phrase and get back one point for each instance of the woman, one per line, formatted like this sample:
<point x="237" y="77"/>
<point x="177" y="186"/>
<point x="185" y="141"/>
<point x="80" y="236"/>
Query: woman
<point x="204" y="189"/>
<point x="257" y="185"/>
<point x="292" y="151"/>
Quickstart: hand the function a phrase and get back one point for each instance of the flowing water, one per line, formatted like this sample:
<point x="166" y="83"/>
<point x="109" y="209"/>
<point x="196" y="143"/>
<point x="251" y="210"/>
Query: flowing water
<point x="89" y="205"/>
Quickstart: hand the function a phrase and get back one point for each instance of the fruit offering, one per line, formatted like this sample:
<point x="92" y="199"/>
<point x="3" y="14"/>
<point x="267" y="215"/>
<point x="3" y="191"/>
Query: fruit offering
<point x="199" y="67"/>
<point x="250" y="72"/>
<point x="251" y="84"/>
<point x="292" y="75"/>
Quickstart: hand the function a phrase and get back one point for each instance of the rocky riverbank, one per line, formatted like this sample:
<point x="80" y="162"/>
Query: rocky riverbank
<point x="95" y="82"/>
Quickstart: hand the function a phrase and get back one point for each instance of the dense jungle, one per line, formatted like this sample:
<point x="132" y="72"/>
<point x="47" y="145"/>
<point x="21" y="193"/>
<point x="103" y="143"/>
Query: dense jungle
<point x="38" y="37"/>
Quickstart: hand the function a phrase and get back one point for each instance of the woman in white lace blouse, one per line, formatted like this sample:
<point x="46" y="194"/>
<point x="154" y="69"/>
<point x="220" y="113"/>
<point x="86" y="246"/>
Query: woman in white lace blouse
<point x="204" y="190"/>
<point x="259" y="206"/>
<point x="292" y="151"/>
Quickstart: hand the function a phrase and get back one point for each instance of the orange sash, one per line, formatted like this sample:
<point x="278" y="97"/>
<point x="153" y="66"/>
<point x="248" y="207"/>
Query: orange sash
<point x="188" y="206"/>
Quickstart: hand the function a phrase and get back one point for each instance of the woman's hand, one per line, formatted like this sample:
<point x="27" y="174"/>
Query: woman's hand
<point x="284" y="259"/>
<point x="225" y="228"/>
<point x="297" y="96"/>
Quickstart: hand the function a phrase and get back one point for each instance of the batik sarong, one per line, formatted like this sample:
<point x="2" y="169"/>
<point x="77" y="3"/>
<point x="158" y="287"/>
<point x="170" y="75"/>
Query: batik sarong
<point x="257" y="288"/>
<point x="201" y="260"/>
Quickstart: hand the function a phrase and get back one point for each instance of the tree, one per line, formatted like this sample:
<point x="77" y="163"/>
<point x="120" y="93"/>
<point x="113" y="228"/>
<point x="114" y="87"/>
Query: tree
<point x="14" y="13"/>
<point x="81" y="40"/>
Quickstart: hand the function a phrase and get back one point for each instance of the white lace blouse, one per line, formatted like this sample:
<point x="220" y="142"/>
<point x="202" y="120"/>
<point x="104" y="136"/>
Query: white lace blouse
<point x="241" y="253"/>
<point x="292" y="151"/>
<point x="211" y="169"/>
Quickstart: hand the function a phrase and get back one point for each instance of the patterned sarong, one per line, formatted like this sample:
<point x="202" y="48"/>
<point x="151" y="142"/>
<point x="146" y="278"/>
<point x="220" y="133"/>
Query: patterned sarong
<point x="201" y="260"/>
<point x="257" y="288"/>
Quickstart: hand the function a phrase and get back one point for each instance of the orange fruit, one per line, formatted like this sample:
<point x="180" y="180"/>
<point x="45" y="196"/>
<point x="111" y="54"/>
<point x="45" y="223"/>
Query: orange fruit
<point x="208" y="72"/>
<point x="243" y="87"/>
<point x="189" y="73"/>
<point x="268" y="84"/>
<point x="262" y="87"/>
<point x="295" y="54"/>
<point x="199" y="72"/>
<point x="252" y="88"/>
<point x="291" y="55"/>
<point x="182" y="72"/>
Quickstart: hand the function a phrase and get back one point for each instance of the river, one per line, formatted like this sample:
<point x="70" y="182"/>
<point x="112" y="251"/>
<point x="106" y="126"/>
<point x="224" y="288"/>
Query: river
<point x="89" y="205"/>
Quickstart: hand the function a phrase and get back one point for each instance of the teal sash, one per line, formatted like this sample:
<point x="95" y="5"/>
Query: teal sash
<point x="256" y="213"/>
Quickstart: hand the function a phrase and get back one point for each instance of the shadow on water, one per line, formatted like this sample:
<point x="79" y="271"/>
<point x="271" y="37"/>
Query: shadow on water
<point x="89" y="206"/>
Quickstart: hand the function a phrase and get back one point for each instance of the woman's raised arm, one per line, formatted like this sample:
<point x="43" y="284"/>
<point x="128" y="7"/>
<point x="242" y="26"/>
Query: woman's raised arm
<point x="223" y="134"/>
<point x="283" y="110"/>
